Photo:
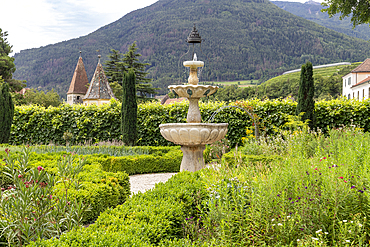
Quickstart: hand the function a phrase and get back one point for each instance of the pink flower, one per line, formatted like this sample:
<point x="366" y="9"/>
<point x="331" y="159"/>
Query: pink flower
<point x="341" y="177"/>
<point x="345" y="181"/>
<point x="40" y="168"/>
<point x="324" y="158"/>
<point x="20" y="175"/>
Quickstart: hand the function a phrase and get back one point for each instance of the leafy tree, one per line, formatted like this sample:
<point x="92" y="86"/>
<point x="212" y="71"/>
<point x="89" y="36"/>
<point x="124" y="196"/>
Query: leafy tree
<point x="119" y="63"/>
<point x="306" y="93"/>
<point x="358" y="10"/>
<point x="6" y="111"/>
<point x="131" y="61"/>
<point x="114" y="67"/>
<point x="32" y="96"/>
<point x="7" y="67"/>
<point x="117" y="90"/>
<point x="129" y="109"/>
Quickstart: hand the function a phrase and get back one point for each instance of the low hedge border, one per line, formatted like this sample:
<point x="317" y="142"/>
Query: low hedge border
<point x="154" y="218"/>
<point x="155" y="163"/>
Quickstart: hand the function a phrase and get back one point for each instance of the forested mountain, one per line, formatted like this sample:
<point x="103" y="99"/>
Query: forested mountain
<point x="312" y="11"/>
<point x="243" y="39"/>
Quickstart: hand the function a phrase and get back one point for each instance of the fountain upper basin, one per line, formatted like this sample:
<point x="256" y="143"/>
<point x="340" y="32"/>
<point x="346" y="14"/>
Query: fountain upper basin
<point x="193" y="64"/>
<point x="192" y="134"/>
<point x="193" y="91"/>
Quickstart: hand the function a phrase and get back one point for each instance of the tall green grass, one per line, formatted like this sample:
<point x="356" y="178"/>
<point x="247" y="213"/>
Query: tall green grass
<point x="317" y="195"/>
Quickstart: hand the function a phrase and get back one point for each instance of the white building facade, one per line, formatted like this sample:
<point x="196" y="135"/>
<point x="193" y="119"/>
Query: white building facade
<point x="356" y="85"/>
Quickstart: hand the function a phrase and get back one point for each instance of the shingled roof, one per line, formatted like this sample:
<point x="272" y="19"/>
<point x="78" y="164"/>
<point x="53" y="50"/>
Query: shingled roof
<point x="99" y="87"/>
<point x="364" y="67"/>
<point x="79" y="80"/>
<point x="367" y="79"/>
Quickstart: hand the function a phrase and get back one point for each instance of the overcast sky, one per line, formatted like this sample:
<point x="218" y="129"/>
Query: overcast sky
<point x="35" y="23"/>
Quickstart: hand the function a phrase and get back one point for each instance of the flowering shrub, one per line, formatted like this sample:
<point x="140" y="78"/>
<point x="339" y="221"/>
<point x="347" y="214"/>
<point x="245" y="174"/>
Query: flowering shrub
<point x="29" y="207"/>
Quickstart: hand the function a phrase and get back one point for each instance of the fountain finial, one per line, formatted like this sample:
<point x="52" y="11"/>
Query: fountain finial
<point x="195" y="57"/>
<point x="194" y="36"/>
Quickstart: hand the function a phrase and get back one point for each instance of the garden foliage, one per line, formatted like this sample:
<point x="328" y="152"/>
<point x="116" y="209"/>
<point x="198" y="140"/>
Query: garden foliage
<point x="34" y="124"/>
<point x="154" y="218"/>
<point x="98" y="188"/>
<point x="316" y="194"/>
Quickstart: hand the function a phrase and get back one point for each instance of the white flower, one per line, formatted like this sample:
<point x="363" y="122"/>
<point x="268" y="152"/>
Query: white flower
<point x="351" y="221"/>
<point x="280" y="224"/>
<point x="318" y="231"/>
<point x="298" y="240"/>
<point x="326" y="232"/>
<point x="288" y="216"/>
<point x="348" y="241"/>
<point x="315" y="238"/>
<point x="273" y="224"/>
<point x="344" y="221"/>
<point x="349" y="231"/>
<point x="272" y="219"/>
<point x="359" y="225"/>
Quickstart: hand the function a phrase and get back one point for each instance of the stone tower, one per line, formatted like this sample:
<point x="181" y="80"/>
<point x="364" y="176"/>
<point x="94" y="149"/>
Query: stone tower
<point x="78" y="87"/>
<point x="99" y="91"/>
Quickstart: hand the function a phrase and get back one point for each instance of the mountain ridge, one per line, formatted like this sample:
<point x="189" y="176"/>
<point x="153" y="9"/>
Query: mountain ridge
<point x="244" y="39"/>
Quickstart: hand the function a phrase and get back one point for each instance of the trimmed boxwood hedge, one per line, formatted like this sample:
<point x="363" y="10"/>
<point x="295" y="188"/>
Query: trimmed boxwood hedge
<point x="169" y="162"/>
<point x="154" y="218"/>
<point x="35" y="124"/>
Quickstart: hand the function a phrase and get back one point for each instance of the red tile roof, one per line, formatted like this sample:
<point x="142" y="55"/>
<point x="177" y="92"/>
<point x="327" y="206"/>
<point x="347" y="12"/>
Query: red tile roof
<point x="79" y="80"/>
<point x="367" y="79"/>
<point x="364" y="67"/>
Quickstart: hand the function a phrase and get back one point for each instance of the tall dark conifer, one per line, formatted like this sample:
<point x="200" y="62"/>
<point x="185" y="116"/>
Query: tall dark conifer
<point x="306" y="93"/>
<point x="129" y="109"/>
<point x="6" y="112"/>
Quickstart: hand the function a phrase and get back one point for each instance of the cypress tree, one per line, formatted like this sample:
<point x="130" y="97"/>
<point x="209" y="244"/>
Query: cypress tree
<point x="306" y="93"/>
<point x="129" y="108"/>
<point x="6" y="112"/>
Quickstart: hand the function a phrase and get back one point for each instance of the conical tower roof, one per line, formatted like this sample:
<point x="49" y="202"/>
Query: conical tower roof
<point x="99" y="87"/>
<point x="79" y="80"/>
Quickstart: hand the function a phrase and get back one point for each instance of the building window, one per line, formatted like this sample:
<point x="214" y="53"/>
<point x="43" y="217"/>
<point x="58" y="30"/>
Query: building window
<point x="78" y="97"/>
<point x="358" y="94"/>
<point x="349" y="81"/>
<point x="349" y="95"/>
<point x="353" y="95"/>
<point x="363" y="93"/>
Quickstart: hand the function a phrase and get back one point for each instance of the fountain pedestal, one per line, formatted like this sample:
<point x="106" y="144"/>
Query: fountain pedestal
<point x="193" y="135"/>
<point x="193" y="158"/>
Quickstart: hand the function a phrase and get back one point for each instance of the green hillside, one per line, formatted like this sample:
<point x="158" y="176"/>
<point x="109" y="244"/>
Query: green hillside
<point x="312" y="11"/>
<point x="328" y="84"/>
<point x="243" y="40"/>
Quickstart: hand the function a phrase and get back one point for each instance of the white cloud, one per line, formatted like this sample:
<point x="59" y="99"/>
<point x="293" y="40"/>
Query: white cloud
<point x="38" y="23"/>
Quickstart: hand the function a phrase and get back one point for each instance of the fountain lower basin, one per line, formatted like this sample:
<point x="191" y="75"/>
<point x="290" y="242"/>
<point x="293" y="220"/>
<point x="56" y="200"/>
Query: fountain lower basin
<point x="192" y="134"/>
<point x="193" y="137"/>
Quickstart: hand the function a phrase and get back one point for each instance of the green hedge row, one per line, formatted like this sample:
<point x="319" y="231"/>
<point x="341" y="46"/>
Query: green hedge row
<point x="169" y="162"/>
<point x="154" y="218"/>
<point x="101" y="189"/>
<point x="34" y="124"/>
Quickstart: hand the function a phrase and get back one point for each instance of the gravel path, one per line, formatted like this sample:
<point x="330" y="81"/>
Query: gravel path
<point x="144" y="182"/>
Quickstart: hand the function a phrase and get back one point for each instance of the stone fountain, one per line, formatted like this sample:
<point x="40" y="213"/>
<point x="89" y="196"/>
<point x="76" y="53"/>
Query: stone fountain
<point x="193" y="135"/>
